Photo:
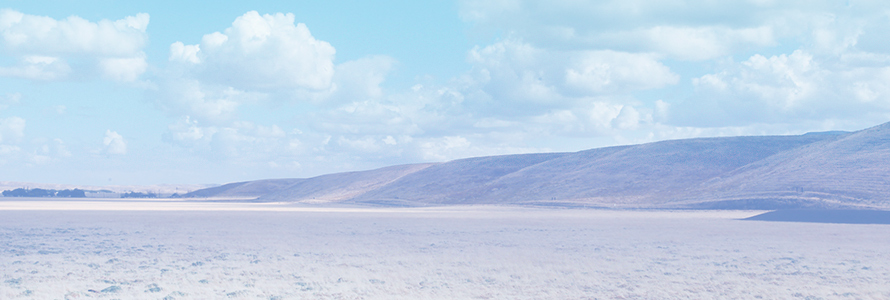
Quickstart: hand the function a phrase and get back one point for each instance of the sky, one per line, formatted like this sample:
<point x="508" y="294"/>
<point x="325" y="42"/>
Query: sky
<point x="195" y="92"/>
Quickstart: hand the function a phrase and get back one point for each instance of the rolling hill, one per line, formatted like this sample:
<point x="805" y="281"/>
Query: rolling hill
<point x="815" y="170"/>
<point x="851" y="170"/>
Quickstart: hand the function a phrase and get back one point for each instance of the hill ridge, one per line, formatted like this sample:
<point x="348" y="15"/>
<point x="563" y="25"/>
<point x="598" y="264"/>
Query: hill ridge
<point x="826" y="169"/>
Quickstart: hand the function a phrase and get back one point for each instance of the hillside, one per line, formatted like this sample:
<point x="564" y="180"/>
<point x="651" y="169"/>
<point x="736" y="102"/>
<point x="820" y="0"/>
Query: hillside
<point x="828" y="170"/>
<point x="243" y="190"/>
<point x="851" y="170"/>
<point x="340" y="186"/>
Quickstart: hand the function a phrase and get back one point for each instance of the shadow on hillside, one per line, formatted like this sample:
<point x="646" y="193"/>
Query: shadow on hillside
<point x="839" y="216"/>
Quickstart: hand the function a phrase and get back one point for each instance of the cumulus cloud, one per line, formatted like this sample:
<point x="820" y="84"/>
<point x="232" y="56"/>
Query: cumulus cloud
<point x="23" y="33"/>
<point x="560" y="74"/>
<point x="360" y="79"/>
<point x="686" y="30"/>
<point x="781" y="82"/>
<point x="260" y="52"/>
<point x="123" y="69"/>
<point x="225" y="140"/>
<point x="706" y="42"/>
<point x="767" y="62"/>
<point x="39" y="151"/>
<point x="512" y="70"/>
<point x="241" y="143"/>
<point x="367" y="117"/>
<point x="114" y="143"/>
<point x="689" y="29"/>
<point x="44" y="45"/>
<point x="38" y="68"/>
<point x="180" y="52"/>
<point x="205" y="102"/>
<point x="187" y="132"/>
<point x="515" y="82"/>
<point x="788" y="88"/>
<point x="264" y="62"/>
<point x="12" y="129"/>
<point x="609" y="71"/>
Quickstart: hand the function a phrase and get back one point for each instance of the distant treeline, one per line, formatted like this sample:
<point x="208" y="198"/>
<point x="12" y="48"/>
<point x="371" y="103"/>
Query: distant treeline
<point x="20" y="192"/>
<point x="139" y="195"/>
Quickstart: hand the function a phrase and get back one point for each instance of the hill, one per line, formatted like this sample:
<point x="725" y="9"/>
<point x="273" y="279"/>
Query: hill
<point x="815" y="170"/>
<point x="847" y="171"/>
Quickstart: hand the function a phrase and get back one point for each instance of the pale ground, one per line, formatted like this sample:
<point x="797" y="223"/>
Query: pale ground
<point x="175" y="250"/>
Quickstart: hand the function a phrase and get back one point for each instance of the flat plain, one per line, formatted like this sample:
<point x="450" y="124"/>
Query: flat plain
<point x="217" y="250"/>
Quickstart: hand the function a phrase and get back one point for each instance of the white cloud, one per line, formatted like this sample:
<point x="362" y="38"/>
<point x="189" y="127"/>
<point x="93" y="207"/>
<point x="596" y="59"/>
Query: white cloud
<point x="265" y="52"/>
<point x="703" y="43"/>
<point x="185" y="53"/>
<point x="686" y="30"/>
<point x="532" y="91"/>
<point x="239" y="141"/>
<point x="114" y="143"/>
<point x="7" y="150"/>
<point x="445" y="148"/>
<point x="263" y="62"/>
<point x="205" y="102"/>
<point x="512" y="71"/>
<point x="751" y="63"/>
<point x="609" y="71"/>
<point x="780" y="82"/>
<point x="360" y="79"/>
<point x="44" y="45"/>
<point x="124" y="69"/>
<point x="788" y="89"/>
<point x="38" y="68"/>
<point x="367" y="117"/>
<point x="785" y="80"/>
<point x="9" y="99"/>
<point x="561" y="74"/>
<point x="662" y="110"/>
<point x="36" y="151"/>
<point x="60" y="148"/>
<point x="29" y="34"/>
<point x="834" y="34"/>
<point x="187" y="132"/>
<point x="628" y="118"/>
<point x="12" y="129"/>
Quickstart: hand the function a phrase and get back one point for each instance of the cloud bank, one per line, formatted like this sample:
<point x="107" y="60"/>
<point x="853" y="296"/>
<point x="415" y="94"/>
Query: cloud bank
<point x="45" y="47"/>
<point x="266" y="95"/>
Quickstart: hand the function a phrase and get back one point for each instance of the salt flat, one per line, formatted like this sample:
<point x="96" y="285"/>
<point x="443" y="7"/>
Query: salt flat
<point x="101" y="249"/>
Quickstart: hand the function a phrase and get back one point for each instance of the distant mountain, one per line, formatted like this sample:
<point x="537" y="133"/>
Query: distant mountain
<point x="814" y="170"/>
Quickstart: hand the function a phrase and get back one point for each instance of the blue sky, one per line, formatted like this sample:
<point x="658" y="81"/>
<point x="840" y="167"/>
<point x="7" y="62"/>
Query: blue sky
<point x="115" y="92"/>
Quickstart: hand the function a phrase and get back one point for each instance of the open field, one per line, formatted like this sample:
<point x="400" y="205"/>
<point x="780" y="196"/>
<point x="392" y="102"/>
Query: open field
<point x="102" y="249"/>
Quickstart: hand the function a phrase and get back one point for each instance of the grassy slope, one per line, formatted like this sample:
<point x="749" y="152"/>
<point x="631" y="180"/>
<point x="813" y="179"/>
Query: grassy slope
<point x="812" y="170"/>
